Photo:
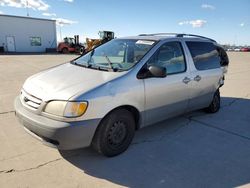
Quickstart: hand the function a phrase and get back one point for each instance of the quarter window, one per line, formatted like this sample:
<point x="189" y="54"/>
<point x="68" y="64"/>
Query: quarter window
<point x="204" y="54"/>
<point x="35" y="41"/>
<point x="170" y="55"/>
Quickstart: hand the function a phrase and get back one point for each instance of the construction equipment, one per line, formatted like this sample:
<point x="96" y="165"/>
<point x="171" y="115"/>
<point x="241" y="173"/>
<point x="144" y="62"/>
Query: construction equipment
<point x="105" y="36"/>
<point x="71" y="45"/>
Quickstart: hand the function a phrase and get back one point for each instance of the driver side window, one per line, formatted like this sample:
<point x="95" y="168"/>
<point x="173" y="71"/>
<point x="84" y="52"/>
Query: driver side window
<point x="170" y="55"/>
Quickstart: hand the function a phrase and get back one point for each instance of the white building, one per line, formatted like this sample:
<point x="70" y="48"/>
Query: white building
<point x="26" y="34"/>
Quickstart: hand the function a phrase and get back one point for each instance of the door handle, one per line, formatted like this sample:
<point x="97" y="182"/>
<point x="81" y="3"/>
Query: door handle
<point x="186" y="80"/>
<point x="197" y="78"/>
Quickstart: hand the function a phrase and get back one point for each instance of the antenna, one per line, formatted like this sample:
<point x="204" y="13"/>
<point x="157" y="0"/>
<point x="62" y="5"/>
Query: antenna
<point x="27" y="7"/>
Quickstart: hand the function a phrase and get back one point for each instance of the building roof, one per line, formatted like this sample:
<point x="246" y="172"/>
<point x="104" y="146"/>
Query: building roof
<point x="26" y="17"/>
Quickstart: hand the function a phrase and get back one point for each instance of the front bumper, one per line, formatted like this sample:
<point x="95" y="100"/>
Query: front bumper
<point x="62" y="135"/>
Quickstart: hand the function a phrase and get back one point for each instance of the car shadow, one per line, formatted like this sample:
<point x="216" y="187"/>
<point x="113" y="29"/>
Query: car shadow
<point x="181" y="152"/>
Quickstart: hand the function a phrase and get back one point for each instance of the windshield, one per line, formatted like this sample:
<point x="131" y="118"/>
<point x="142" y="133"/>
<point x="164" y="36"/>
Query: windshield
<point x="117" y="55"/>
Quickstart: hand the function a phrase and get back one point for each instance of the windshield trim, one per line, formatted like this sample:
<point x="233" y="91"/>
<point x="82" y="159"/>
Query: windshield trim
<point x="119" y="70"/>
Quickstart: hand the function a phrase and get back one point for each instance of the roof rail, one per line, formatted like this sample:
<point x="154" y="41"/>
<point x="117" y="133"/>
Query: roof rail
<point x="191" y="35"/>
<point x="155" y="34"/>
<point x="178" y="35"/>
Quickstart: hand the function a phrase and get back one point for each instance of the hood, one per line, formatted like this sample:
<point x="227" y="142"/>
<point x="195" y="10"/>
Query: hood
<point x="64" y="81"/>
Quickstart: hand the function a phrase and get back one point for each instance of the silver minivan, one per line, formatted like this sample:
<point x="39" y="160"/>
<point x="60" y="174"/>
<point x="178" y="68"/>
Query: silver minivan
<point x="101" y="98"/>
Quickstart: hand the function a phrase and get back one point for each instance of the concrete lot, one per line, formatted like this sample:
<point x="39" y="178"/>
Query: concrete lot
<point x="195" y="150"/>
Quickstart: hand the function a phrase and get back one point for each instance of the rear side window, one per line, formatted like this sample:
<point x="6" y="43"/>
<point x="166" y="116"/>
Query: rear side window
<point x="204" y="54"/>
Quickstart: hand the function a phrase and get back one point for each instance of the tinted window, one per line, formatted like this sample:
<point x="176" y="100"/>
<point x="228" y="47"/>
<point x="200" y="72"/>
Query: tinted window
<point x="170" y="55"/>
<point x="224" y="61"/>
<point x="205" y="55"/>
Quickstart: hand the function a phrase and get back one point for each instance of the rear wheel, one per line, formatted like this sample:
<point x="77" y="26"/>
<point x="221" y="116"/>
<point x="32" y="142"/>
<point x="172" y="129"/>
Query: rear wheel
<point x="215" y="104"/>
<point x="115" y="133"/>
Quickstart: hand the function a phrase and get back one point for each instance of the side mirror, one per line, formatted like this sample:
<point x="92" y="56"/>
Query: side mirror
<point x="157" y="71"/>
<point x="152" y="71"/>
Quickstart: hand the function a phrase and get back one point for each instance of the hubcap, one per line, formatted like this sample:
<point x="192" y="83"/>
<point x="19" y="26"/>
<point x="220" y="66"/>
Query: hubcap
<point x="117" y="133"/>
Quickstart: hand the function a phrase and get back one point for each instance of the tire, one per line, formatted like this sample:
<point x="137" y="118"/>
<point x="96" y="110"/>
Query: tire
<point x="115" y="133"/>
<point x="65" y="51"/>
<point x="215" y="104"/>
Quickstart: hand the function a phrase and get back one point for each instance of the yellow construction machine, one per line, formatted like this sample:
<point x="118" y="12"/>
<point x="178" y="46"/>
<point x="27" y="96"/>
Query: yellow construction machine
<point x="105" y="36"/>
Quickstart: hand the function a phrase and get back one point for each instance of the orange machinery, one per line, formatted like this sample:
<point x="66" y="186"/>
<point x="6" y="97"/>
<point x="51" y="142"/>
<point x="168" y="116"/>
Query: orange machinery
<point x="71" y="45"/>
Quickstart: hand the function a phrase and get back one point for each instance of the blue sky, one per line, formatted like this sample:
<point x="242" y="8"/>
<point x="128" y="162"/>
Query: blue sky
<point x="228" y="22"/>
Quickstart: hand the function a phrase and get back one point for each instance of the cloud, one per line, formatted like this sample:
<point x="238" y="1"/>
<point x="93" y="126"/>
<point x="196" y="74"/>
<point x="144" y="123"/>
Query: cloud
<point x="62" y="21"/>
<point x="33" y="4"/>
<point x="1" y="12"/>
<point x="194" y="23"/>
<point x="242" y="24"/>
<point x="206" y="6"/>
<point x="69" y="1"/>
<point x="48" y="14"/>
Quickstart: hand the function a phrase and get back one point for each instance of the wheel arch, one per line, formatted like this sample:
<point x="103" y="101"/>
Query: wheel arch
<point x="134" y="111"/>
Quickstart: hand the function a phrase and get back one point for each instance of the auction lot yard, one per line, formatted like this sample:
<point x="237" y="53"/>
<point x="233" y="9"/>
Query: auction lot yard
<point x="194" y="150"/>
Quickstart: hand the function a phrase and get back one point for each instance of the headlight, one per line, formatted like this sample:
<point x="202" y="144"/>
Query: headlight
<point x="66" y="109"/>
<point x="75" y="109"/>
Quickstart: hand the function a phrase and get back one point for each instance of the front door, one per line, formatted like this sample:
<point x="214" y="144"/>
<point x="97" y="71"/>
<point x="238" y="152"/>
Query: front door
<point x="10" y="44"/>
<point x="167" y="97"/>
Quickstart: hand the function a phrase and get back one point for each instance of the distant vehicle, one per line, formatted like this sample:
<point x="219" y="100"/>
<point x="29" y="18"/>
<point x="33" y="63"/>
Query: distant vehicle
<point x="245" y="49"/>
<point x="102" y="97"/>
<point x="230" y="49"/>
<point x="70" y="45"/>
<point x="237" y="49"/>
<point x="105" y="36"/>
<point x="74" y="46"/>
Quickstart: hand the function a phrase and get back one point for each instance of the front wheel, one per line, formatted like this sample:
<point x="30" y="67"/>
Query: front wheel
<point x="65" y="50"/>
<point x="215" y="104"/>
<point x="115" y="133"/>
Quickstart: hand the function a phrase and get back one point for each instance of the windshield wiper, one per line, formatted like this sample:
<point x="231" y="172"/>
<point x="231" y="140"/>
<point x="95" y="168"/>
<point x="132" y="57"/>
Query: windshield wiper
<point x="90" y="57"/>
<point x="81" y="65"/>
<point x="110" y="63"/>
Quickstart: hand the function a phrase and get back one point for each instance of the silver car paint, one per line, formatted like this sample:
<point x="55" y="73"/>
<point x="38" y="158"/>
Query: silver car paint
<point x="155" y="98"/>
<point x="61" y="82"/>
<point x="201" y="91"/>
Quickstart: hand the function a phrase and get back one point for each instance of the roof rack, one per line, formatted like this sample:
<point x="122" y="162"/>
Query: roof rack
<point x="177" y="35"/>
<point x="155" y="34"/>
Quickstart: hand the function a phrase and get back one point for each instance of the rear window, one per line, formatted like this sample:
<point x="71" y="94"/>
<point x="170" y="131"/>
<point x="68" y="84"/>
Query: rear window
<point x="204" y="54"/>
<point x="224" y="61"/>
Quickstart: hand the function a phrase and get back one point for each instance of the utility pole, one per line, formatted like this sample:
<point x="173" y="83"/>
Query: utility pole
<point x="27" y="8"/>
<point x="60" y="29"/>
<point x="60" y="32"/>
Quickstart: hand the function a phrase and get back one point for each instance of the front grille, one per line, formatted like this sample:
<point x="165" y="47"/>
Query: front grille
<point x="30" y="101"/>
